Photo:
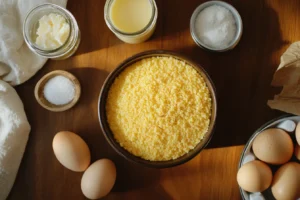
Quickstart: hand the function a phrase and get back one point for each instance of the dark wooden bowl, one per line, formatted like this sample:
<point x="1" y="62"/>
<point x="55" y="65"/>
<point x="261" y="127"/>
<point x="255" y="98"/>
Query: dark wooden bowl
<point x="108" y="133"/>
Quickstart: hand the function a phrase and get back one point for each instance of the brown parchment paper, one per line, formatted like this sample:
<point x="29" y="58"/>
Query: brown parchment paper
<point x="288" y="77"/>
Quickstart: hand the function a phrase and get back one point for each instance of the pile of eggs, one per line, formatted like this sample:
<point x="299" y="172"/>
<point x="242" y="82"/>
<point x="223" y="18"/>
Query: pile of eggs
<point x="273" y="148"/>
<point x="73" y="153"/>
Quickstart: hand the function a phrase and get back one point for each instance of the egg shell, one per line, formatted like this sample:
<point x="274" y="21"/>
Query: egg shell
<point x="297" y="152"/>
<point x="98" y="180"/>
<point x="254" y="176"/>
<point x="298" y="133"/>
<point x="248" y="158"/>
<point x="273" y="146"/>
<point x="286" y="182"/>
<point x="71" y="151"/>
<point x="287" y="125"/>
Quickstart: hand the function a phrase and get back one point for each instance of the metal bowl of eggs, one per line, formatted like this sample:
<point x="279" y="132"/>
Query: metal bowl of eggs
<point x="158" y="109"/>
<point x="269" y="166"/>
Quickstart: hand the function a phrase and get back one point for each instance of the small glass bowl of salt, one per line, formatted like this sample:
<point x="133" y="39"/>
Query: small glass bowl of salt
<point x="216" y="26"/>
<point x="57" y="91"/>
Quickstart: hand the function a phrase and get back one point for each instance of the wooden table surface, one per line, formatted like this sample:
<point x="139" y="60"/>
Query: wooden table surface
<point x="242" y="78"/>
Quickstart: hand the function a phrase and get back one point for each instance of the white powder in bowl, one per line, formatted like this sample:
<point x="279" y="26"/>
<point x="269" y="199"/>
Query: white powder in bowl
<point x="215" y="27"/>
<point x="59" y="90"/>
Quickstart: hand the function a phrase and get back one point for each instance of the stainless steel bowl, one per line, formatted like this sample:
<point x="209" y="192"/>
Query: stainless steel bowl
<point x="248" y="148"/>
<point x="108" y="133"/>
<point x="236" y="15"/>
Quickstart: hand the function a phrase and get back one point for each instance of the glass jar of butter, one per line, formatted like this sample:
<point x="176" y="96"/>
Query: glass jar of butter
<point x="51" y="31"/>
<point x="132" y="21"/>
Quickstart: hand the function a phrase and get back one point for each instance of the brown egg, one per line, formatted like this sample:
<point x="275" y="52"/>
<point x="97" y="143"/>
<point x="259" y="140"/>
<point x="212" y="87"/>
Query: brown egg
<point x="254" y="176"/>
<point x="286" y="182"/>
<point x="297" y="152"/>
<point x="98" y="180"/>
<point x="273" y="146"/>
<point x="71" y="151"/>
<point x="297" y="132"/>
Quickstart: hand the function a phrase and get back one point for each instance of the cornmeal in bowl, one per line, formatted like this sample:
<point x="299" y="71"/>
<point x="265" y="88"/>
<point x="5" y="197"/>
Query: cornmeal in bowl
<point x="159" y="108"/>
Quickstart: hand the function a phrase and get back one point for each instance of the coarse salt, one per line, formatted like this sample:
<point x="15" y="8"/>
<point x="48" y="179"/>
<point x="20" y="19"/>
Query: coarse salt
<point x="216" y="27"/>
<point x="59" y="90"/>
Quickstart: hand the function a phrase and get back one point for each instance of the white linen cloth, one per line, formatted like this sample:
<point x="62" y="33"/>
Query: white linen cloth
<point x="14" y="131"/>
<point x="17" y="65"/>
<point x="17" y="62"/>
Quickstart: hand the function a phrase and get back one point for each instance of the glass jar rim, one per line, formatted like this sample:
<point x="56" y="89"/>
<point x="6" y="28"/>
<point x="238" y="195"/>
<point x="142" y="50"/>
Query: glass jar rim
<point x="69" y="17"/>
<point x="117" y="31"/>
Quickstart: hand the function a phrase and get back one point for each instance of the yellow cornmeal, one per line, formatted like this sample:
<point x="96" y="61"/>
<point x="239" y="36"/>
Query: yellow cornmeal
<point x="159" y="108"/>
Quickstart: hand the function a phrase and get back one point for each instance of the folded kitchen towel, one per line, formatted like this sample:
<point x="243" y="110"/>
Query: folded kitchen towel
<point x="17" y="62"/>
<point x="14" y="131"/>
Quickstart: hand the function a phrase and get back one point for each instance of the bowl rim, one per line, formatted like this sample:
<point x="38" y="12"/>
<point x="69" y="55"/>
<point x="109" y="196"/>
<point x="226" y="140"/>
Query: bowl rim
<point x="108" y="133"/>
<point x="236" y="15"/>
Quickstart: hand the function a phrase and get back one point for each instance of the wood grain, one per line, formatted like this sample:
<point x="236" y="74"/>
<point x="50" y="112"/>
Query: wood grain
<point x="242" y="78"/>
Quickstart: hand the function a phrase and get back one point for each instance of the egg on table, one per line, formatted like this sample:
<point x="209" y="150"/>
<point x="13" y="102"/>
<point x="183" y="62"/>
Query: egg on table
<point x="254" y="176"/>
<point x="286" y="182"/>
<point x="98" y="180"/>
<point x="71" y="151"/>
<point x="273" y="146"/>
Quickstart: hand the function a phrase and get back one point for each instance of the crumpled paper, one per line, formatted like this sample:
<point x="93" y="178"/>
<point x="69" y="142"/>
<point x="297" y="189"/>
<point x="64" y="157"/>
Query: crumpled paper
<point x="288" y="77"/>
